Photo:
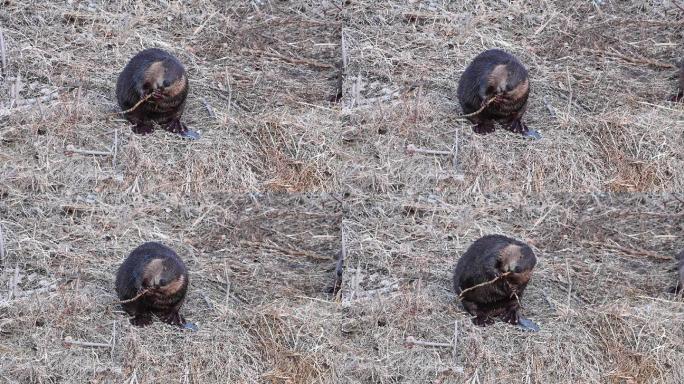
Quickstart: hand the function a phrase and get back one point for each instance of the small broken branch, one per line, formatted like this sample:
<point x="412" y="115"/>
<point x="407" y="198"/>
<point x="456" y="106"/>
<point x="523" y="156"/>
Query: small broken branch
<point x="413" y="341"/>
<point x="3" y="54"/>
<point x="492" y="281"/>
<point x="339" y="268"/>
<point x="482" y="108"/>
<point x="411" y="149"/>
<point x="139" y="295"/>
<point x="70" y="150"/>
<point x="69" y="340"/>
<point x="2" y="246"/>
<point x="133" y="108"/>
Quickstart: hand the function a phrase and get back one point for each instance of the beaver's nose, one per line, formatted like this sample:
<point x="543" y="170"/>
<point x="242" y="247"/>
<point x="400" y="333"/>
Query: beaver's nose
<point x="166" y="84"/>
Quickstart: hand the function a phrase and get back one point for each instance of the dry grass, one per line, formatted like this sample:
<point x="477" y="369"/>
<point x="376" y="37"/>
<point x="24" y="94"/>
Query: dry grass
<point x="598" y="293"/>
<point x="258" y="205"/>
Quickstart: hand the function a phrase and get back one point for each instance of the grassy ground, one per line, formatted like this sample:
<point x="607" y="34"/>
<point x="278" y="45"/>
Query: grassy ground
<point x="306" y="110"/>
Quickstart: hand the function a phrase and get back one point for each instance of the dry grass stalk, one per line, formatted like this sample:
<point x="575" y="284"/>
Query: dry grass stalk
<point x="139" y="295"/>
<point x="277" y="134"/>
<point x="3" y="54"/>
<point x="133" y="108"/>
<point x="2" y="246"/>
<point x="69" y="340"/>
<point x="492" y="281"/>
<point x="70" y="149"/>
<point x="413" y="341"/>
<point x="482" y="108"/>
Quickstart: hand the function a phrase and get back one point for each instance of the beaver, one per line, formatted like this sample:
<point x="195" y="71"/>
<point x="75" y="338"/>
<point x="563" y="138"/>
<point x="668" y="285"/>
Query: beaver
<point x="679" y="97"/>
<point x="496" y="74"/>
<point x="156" y="74"/>
<point x="156" y="270"/>
<point x="491" y="257"/>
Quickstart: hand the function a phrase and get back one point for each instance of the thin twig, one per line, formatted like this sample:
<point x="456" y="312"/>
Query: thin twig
<point x="70" y="149"/>
<point x="69" y="340"/>
<point x="454" y="152"/>
<point x="115" y="147"/>
<point x="139" y="295"/>
<point x="411" y="149"/>
<point x="225" y="270"/>
<point x="339" y="268"/>
<point x="344" y="53"/>
<point x="113" y="342"/>
<point x="133" y="108"/>
<point x="2" y="247"/>
<point x="413" y="341"/>
<point x="454" y="343"/>
<point x="13" y="284"/>
<point x="460" y="295"/>
<point x="3" y="53"/>
<point x="482" y="108"/>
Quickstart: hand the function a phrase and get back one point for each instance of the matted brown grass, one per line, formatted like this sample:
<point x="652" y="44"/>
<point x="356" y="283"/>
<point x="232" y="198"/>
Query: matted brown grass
<point x="259" y="206"/>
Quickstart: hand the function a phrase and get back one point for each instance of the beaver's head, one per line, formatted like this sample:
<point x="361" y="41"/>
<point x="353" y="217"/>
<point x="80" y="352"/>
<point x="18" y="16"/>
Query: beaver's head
<point x="508" y="82"/>
<point x="164" y="79"/>
<point x="518" y="261"/>
<point x="162" y="276"/>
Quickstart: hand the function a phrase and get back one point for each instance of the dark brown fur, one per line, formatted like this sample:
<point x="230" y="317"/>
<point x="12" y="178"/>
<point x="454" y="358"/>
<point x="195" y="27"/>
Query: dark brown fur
<point x="495" y="73"/>
<point x="679" y="97"/>
<point x="156" y="268"/>
<point x="485" y="259"/>
<point x="157" y="72"/>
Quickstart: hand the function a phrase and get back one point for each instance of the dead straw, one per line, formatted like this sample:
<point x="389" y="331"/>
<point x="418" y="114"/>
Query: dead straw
<point x="482" y="108"/>
<point x="133" y="108"/>
<point x="460" y="296"/>
<point x="139" y="295"/>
